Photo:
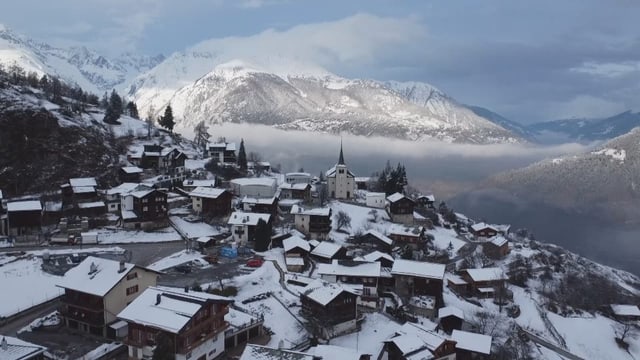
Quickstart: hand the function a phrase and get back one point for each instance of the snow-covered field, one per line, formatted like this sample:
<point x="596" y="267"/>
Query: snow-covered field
<point x="124" y="236"/>
<point x="359" y="220"/>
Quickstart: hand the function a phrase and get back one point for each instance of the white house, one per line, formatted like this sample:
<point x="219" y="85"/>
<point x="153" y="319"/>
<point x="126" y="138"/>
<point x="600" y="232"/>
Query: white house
<point x="254" y="187"/>
<point x="243" y="225"/>
<point x="341" y="182"/>
<point x="315" y="223"/>
<point x="297" y="178"/>
<point x="376" y="200"/>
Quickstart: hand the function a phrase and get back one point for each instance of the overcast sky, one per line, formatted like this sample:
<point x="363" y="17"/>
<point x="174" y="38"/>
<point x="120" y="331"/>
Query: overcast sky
<point x="529" y="61"/>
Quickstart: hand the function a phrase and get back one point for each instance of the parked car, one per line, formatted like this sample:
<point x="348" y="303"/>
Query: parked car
<point x="185" y="269"/>
<point x="255" y="262"/>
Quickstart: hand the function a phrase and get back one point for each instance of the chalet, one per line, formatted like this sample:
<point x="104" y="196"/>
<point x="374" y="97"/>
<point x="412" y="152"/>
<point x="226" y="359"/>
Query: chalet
<point x="97" y="289"/>
<point x="144" y="209"/>
<point x="113" y="197"/>
<point x="77" y="191"/>
<point x="24" y="218"/>
<point x="130" y="174"/>
<point x="314" y="223"/>
<point x="16" y="349"/>
<point x="261" y="167"/>
<point x="330" y="308"/>
<point x="243" y="327"/>
<point x="258" y="352"/>
<point x="223" y="153"/>
<point x="194" y="322"/>
<point x="471" y="345"/>
<point x="243" y="225"/>
<point x="191" y="184"/>
<point x="261" y="187"/>
<point x="625" y="312"/>
<point x="385" y="260"/>
<point x="376" y="200"/>
<point x="359" y="273"/>
<point x="400" y="208"/>
<point x="426" y="201"/>
<point x="457" y="284"/>
<point x="327" y="251"/>
<point x="362" y="183"/>
<point x="210" y="201"/>
<point x="299" y="191"/>
<point x="482" y="230"/>
<point x="484" y="282"/>
<point x="261" y="205"/>
<point x="296" y="250"/>
<point x="496" y="247"/>
<point x="415" y="278"/>
<point x="451" y="318"/>
<point x="414" y="237"/>
<point x="413" y="341"/>
<point x="328" y="352"/>
<point x="341" y="182"/>
<point x="376" y="240"/>
<point x="297" y="178"/>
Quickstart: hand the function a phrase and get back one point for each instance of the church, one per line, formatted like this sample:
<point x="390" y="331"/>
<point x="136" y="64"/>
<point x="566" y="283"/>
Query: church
<point x="341" y="182"/>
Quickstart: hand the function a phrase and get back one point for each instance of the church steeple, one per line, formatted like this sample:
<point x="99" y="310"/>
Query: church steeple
<point x="341" y="159"/>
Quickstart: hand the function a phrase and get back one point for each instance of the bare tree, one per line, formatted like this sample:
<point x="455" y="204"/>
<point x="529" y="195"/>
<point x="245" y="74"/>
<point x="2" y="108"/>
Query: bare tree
<point x="201" y="135"/>
<point x="150" y="120"/>
<point x="343" y="220"/>
<point x="623" y="331"/>
<point x="485" y="322"/>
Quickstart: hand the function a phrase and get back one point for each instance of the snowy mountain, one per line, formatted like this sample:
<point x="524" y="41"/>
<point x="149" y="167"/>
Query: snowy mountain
<point x="75" y="65"/>
<point x="510" y="125"/>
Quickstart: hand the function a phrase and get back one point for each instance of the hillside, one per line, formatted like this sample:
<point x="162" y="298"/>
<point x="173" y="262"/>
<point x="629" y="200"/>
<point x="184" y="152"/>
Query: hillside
<point x="585" y="130"/>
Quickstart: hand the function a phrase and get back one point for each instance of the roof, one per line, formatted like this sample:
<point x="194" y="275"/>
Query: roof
<point x="196" y="182"/>
<point x="499" y="241"/>
<point x="299" y="210"/>
<point x="298" y="174"/>
<point x="294" y="242"/>
<point x="172" y="313"/>
<point x="480" y="226"/>
<point x="395" y="197"/>
<point x="332" y="172"/>
<point x="91" y="205"/>
<point x="207" y="192"/>
<point x="350" y="268"/>
<point x="128" y="214"/>
<point x="380" y="236"/>
<point x="455" y="279"/>
<point x="294" y="260"/>
<point x="83" y="182"/>
<point x="376" y="255"/>
<point x="418" y="269"/>
<point x="324" y="292"/>
<point x="328" y="352"/>
<point x="244" y="218"/>
<point x="95" y="276"/>
<point x="625" y="310"/>
<point x="472" y="342"/>
<point x="132" y="170"/>
<point x="412" y="338"/>
<point x="263" y="201"/>
<point x="326" y="249"/>
<point x="261" y="181"/>
<point x="18" y="349"/>
<point x="237" y="318"/>
<point x="296" y="186"/>
<point x="362" y="179"/>
<point x="141" y="193"/>
<point x="450" y="311"/>
<point x="486" y="274"/>
<point x="427" y="197"/>
<point x="123" y="188"/>
<point x="83" y="189"/>
<point x="258" y="352"/>
<point x="29" y="205"/>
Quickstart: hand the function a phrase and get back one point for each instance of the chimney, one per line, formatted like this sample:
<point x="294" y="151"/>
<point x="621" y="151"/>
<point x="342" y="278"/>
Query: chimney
<point x="158" y="299"/>
<point x="122" y="268"/>
<point x="4" y="344"/>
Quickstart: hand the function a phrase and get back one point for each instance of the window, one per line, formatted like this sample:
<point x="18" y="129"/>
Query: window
<point x="145" y="200"/>
<point x="132" y="290"/>
<point x="145" y="208"/>
<point x="341" y="171"/>
<point x="133" y="275"/>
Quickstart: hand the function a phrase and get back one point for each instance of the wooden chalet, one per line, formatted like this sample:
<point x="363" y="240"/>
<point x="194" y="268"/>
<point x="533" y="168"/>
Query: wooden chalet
<point x="496" y="248"/>
<point x="484" y="283"/>
<point x="400" y="208"/>
<point x="413" y="341"/>
<point x="213" y="202"/>
<point x="330" y="308"/>
<point x="415" y="278"/>
<point x="376" y="240"/>
<point x="471" y="346"/>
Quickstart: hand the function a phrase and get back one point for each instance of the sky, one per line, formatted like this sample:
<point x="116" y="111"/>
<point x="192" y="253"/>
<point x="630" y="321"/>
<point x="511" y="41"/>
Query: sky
<point x="528" y="61"/>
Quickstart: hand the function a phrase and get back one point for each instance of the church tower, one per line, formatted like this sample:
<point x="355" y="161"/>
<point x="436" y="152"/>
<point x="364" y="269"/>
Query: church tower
<point x="341" y="182"/>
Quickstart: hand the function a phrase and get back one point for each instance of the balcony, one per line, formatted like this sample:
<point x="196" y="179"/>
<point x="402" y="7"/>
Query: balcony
<point x="91" y="317"/>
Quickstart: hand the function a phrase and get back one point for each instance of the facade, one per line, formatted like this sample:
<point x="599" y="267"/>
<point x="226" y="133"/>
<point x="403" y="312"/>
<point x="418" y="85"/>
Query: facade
<point x="341" y="183"/>
<point x="243" y="225"/>
<point x="482" y="230"/>
<point x="131" y="174"/>
<point x="24" y="218"/>
<point x="330" y="308"/>
<point x="211" y="201"/>
<point x="376" y="200"/>
<point x="451" y="318"/>
<point x="359" y="273"/>
<point x="261" y="205"/>
<point x="362" y="183"/>
<point x="426" y="201"/>
<point x="414" y="237"/>
<point x="113" y="197"/>
<point x="496" y="248"/>
<point x="298" y="191"/>
<point x="484" y="282"/>
<point x="263" y="187"/>
<point x="243" y="327"/>
<point x="377" y="240"/>
<point x="400" y="208"/>
<point x="416" y="278"/>
<point x="144" y="209"/>
<point x="314" y="223"/>
<point x="224" y="153"/>
<point x="193" y="321"/>
<point x="97" y="289"/>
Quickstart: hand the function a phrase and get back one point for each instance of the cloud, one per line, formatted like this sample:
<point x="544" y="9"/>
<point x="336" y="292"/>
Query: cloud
<point x="609" y="70"/>
<point x="256" y="4"/>
<point x="585" y="106"/>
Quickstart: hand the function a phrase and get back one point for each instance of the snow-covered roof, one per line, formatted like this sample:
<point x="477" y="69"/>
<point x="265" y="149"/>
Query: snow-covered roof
<point x="455" y="279"/>
<point x="486" y="274"/>
<point x="427" y="336"/>
<point x="244" y="218"/>
<point x="123" y="188"/>
<point x="417" y="216"/>
<point x="29" y="205"/>
<point x="380" y="236"/>
<point x="332" y="172"/>
<point x="217" y="145"/>
<point x="499" y="240"/>
<point x="258" y="352"/>
<point x="327" y="352"/>
<point x="362" y="179"/>
<point x="326" y="249"/>
<point x="207" y="192"/>
<point x="395" y="197"/>
<point x="128" y="214"/>
<point x="376" y="255"/>
<point x="83" y="189"/>
<point x="199" y="182"/>
<point x="294" y="242"/>
<point x="95" y="276"/>
<point x="450" y="311"/>
<point x="132" y="170"/>
<point x="480" y="226"/>
<point x="172" y="313"/>
<point x="91" y="205"/>
<point x="299" y="210"/>
<point x="141" y="193"/>
<point x="298" y="174"/>
<point x="427" y="197"/>
<point x="314" y="242"/>
<point x="478" y="343"/>
<point x="263" y="201"/>
<point x="261" y="181"/>
<point x="625" y="310"/>
<point x="418" y="269"/>
<point x="324" y="292"/>
<point x="17" y="349"/>
<point x="237" y="319"/>
<point x="83" y="182"/>
<point x="296" y="186"/>
<point x="294" y="260"/>
<point x="350" y="268"/>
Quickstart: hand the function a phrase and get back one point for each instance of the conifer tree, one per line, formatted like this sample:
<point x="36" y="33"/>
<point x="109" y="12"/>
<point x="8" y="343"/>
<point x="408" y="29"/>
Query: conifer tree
<point x="132" y="110"/>
<point x="242" y="157"/>
<point x="166" y="121"/>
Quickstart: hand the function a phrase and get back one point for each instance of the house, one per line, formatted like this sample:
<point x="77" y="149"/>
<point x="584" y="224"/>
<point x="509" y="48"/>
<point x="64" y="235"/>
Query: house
<point x="376" y="240"/>
<point x="471" y="345"/>
<point x="223" y="153"/>
<point x="625" y="312"/>
<point x="130" y="174"/>
<point x="451" y="318"/>
<point x="376" y="200"/>
<point x="24" y="218"/>
<point x="78" y="190"/>
<point x="314" y="223"/>
<point x="97" y="289"/>
<point x="457" y="284"/>
<point x="484" y="282"/>
<point x="426" y="201"/>
<point x="384" y="259"/>
<point x="299" y="191"/>
<point x="261" y="205"/>
<point x="341" y="182"/>
<point x="261" y="187"/>
<point x="297" y="178"/>
<point x="262" y="166"/>
<point x="15" y="349"/>
<point x="327" y="251"/>
<point x="415" y="278"/>
<point x="243" y="225"/>
<point x="496" y="247"/>
<point x="362" y="183"/>
<point x="113" y="197"/>
<point x="414" y="237"/>
<point x="400" y="208"/>
<point x="328" y="352"/>
<point x="211" y="201"/>
<point x="144" y="209"/>
<point x="191" y="184"/>
<point x="413" y="341"/>
<point x="330" y="308"/>
<point x="359" y="273"/>
<point x="243" y="327"/>
<point x="258" y="352"/>
<point x="193" y="320"/>
<point x="295" y="251"/>
<point x="482" y="230"/>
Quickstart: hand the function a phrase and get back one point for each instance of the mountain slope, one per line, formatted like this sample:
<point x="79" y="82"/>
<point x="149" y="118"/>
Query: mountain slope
<point x="510" y="125"/>
<point x="76" y="65"/>
<point x="587" y="130"/>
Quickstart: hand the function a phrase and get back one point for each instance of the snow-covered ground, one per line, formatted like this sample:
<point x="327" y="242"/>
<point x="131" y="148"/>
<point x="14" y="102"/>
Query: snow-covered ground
<point x="360" y="220"/>
<point x="176" y="259"/>
<point x="125" y="236"/>
<point x="444" y="237"/>
<point x="375" y="329"/>
<point x="52" y="319"/>
<point x="195" y="230"/>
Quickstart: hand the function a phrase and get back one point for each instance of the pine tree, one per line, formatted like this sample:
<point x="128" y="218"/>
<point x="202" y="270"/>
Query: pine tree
<point x="115" y="102"/>
<point x="150" y="120"/>
<point x="262" y="236"/>
<point x="132" y="110"/>
<point x="166" y="121"/>
<point x="165" y="347"/>
<point x="104" y="102"/>
<point x="242" y="157"/>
